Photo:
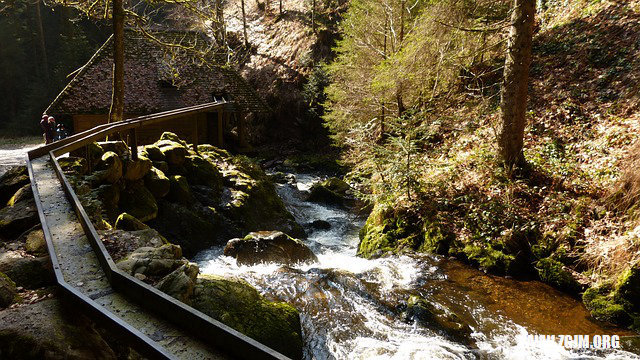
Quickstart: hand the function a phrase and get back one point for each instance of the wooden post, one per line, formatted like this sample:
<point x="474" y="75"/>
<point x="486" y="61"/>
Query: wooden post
<point x="88" y="157"/>
<point x="220" y="140"/>
<point x="195" y="134"/>
<point x="133" y="144"/>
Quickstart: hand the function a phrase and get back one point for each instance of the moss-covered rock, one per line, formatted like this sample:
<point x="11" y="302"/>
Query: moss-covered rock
<point x="489" y="259"/>
<point x="162" y="166"/>
<point x="441" y="320"/>
<point x="153" y="261"/>
<point x="109" y="169"/>
<point x="172" y="137"/>
<point x="174" y="152"/>
<point x="136" y="200"/>
<point x="180" y="283"/>
<point x="35" y="243"/>
<point x="8" y="291"/>
<point x="95" y="152"/>
<point x="627" y="289"/>
<point x="129" y="223"/>
<point x="600" y="302"/>
<point x="76" y="165"/>
<point x="435" y="240"/>
<point x="180" y="191"/>
<point x="12" y="181"/>
<point x="102" y="203"/>
<point x="117" y="146"/>
<point x="157" y="183"/>
<point x="136" y="169"/>
<point x="238" y="305"/>
<point x="202" y="172"/>
<point x="212" y="152"/>
<point x="194" y="227"/>
<point x="386" y="231"/>
<point x="268" y="246"/>
<point x="554" y="273"/>
<point x="152" y="152"/>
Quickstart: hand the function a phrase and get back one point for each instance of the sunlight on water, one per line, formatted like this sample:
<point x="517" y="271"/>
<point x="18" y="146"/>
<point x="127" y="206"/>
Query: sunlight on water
<point x="351" y="308"/>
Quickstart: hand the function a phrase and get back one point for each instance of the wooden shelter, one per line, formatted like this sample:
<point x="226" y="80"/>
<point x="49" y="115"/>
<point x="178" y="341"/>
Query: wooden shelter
<point x="161" y="77"/>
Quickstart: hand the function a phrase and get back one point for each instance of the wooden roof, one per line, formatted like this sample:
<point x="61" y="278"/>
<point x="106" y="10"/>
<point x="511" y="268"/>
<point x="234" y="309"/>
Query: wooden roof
<point x="158" y="77"/>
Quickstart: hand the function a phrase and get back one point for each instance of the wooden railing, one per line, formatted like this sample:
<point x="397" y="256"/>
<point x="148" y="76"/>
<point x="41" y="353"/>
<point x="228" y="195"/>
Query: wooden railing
<point x="191" y="320"/>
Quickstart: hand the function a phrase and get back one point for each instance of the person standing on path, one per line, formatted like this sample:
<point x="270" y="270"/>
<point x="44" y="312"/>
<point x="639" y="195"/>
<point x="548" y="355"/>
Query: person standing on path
<point x="46" y="131"/>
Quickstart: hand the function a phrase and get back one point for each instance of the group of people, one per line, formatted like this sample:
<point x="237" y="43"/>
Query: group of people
<point x="52" y="131"/>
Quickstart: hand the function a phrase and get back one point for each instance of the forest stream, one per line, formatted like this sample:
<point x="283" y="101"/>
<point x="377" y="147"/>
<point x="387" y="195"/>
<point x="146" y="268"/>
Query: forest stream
<point x="353" y="308"/>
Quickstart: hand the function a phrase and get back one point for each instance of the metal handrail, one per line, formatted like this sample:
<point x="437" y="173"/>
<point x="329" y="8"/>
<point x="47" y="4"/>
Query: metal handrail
<point x="190" y="319"/>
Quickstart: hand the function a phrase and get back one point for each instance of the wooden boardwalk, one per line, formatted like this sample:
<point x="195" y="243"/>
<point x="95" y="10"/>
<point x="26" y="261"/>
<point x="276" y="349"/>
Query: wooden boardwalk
<point x="155" y="324"/>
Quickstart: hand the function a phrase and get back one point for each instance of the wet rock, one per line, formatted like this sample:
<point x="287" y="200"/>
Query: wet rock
<point x="320" y="225"/>
<point x="109" y="169"/>
<point x="121" y="243"/>
<point x="47" y="330"/>
<point x="27" y="272"/>
<point x="268" y="246"/>
<point x="332" y="191"/>
<point x="136" y="200"/>
<point x="8" y="291"/>
<point x="24" y="193"/>
<point x="136" y="169"/>
<point x="181" y="282"/>
<point x="180" y="191"/>
<point x="157" y="183"/>
<point x="12" y="181"/>
<point x="153" y="261"/>
<point x="129" y="223"/>
<point x="428" y="315"/>
<point x="16" y="219"/>
<point x="238" y="305"/>
<point x="35" y="243"/>
<point x="194" y="227"/>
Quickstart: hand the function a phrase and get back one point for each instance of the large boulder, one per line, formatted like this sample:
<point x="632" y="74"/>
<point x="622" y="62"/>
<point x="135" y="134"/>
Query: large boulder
<point x="8" y="291"/>
<point x="268" y="246"/>
<point x="129" y="223"/>
<point x="157" y="183"/>
<point x="138" y="201"/>
<point x="152" y="152"/>
<point x="181" y="282"/>
<point x="136" y="169"/>
<point x="24" y="193"/>
<point x="16" y="219"/>
<point x="173" y="152"/>
<point x="153" y="261"/>
<point x="109" y="169"/>
<point x="27" y="271"/>
<point x="441" y="320"/>
<point x="35" y="243"/>
<point x="332" y="191"/>
<point x="11" y="181"/>
<point x="119" y="147"/>
<point x="203" y="172"/>
<point x="240" y="306"/>
<point x="194" y="227"/>
<point x="74" y="165"/>
<point x="121" y="243"/>
<point x="180" y="191"/>
<point x="102" y="201"/>
<point x="47" y="330"/>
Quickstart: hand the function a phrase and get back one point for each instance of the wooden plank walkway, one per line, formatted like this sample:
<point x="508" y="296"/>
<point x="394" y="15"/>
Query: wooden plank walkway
<point x="81" y="270"/>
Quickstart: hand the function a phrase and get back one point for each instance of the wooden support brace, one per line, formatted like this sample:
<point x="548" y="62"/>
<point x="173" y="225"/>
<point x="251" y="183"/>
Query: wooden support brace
<point x="195" y="134"/>
<point x="133" y="143"/>
<point x="220" y="140"/>
<point x="88" y="157"/>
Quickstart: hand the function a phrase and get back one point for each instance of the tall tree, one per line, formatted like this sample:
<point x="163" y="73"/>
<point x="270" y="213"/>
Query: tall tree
<point x="513" y="101"/>
<point x="244" y="24"/>
<point x="116" y="112"/>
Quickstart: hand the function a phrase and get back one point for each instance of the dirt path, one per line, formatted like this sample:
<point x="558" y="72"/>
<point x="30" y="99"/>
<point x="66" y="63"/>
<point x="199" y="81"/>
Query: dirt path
<point x="14" y="154"/>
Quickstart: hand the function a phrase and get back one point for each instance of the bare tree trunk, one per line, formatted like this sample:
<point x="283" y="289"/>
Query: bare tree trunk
<point x="220" y="29"/>
<point x="244" y="25"/>
<point x="280" y="7"/>
<point x="116" y="113"/>
<point x="313" y="16"/>
<point x="513" y="101"/>
<point x="41" y="41"/>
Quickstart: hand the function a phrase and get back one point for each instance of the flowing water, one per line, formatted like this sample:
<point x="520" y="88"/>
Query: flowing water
<point x="352" y="308"/>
